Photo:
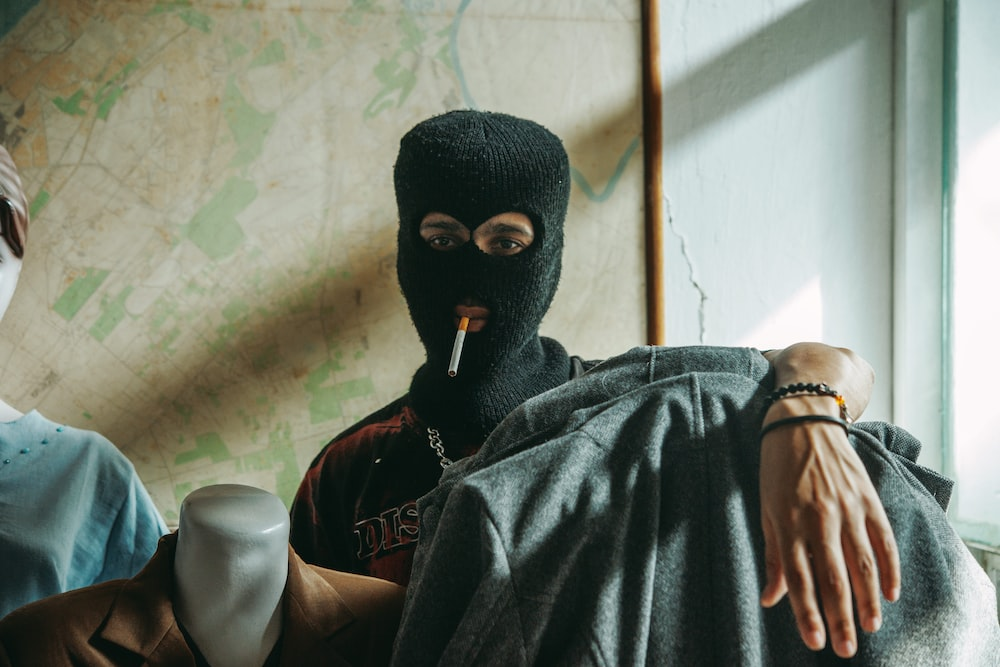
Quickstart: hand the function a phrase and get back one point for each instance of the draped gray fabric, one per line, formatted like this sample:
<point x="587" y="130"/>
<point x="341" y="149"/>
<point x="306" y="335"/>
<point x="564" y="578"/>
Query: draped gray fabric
<point x="615" y="521"/>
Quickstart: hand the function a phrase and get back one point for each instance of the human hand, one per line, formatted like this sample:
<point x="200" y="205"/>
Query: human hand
<point x="825" y="530"/>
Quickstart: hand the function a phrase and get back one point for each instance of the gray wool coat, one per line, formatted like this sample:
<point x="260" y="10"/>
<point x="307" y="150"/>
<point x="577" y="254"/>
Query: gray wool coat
<point x="615" y="521"/>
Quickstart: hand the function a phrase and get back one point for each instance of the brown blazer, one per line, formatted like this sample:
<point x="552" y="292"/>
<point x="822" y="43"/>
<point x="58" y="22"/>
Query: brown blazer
<point x="330" y="618"/>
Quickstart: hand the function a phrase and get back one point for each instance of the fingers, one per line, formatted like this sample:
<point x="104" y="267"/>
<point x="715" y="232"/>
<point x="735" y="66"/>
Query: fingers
<point x="789" y="570"/>
<point x="834" y="588"/>
<point x="828" y="543"/>
<point x="881" y="536"/>
<point x="774" y="587"/>
<point x="822" y="573"/>
<point x="864" y="580"/>
<point x="872" y="561"/>
<point x="843" y="570"/>
<point x="801" y="587"/>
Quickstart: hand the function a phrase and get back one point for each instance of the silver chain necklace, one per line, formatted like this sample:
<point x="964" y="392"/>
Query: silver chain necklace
<point x="434" y="438"/>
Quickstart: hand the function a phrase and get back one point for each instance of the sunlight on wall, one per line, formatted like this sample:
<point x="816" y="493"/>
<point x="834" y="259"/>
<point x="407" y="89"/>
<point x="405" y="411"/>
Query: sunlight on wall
<point x="800" y="318"/>
<point x="976" y="328"/>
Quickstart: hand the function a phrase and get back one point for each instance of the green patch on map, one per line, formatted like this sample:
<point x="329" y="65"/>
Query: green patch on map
<point x="325" y="397"/>
<point x="313" y="40"/>
<point x="79" y="291"/>
<point x="214" y="228"/>
<point x="39" y="202"/>
<point x="112" y="313"/>
<point x="269" y="55"/>
<point x="184" y="11"/>
<point x="185" y="411"/>
<point x="249" y="126"/>
<point x="206" y="446"/>
<point x="71" y="105"/>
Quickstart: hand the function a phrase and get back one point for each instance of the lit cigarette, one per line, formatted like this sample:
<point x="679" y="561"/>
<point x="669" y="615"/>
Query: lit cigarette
<point x="456" y="350"/>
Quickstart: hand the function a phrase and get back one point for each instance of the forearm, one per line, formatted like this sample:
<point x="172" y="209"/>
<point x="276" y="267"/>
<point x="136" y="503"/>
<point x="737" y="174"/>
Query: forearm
<point x="829" y="543"/>
<point x="840" y="368"/>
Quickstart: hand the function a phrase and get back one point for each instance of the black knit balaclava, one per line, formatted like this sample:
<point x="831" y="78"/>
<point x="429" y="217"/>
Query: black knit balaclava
<point x="473" y="165"/>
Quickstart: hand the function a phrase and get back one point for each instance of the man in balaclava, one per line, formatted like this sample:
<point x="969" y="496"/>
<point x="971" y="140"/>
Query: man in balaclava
<point x="472" y="166"/>
<point x="355" y="509"/>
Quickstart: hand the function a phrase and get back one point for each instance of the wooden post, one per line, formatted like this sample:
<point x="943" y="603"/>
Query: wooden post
<point x="652" y="151"/>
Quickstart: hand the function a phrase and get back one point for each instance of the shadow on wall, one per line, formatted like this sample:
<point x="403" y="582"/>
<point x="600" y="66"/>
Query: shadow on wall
<point x="304" y="337"/>
<point x="701" y="98"/>
<point x="761" y="62"/>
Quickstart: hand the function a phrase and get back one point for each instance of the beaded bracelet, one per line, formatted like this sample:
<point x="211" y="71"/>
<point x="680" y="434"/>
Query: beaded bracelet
<point x="821" y="389"/>
<point x="800" y="419"/>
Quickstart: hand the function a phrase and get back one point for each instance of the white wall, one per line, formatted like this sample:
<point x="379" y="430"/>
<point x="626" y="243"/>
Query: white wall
<point x="778" y="168"/>
<point x="812" y="163"/>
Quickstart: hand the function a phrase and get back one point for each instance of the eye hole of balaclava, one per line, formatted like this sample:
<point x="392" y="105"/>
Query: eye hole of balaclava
<point x="517" y="290"/>
<point x="473" y="165"/>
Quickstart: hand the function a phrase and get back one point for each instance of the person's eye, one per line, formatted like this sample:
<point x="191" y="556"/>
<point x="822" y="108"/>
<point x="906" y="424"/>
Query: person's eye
<point x="441" y="242"/>
<point x="507" y="246"/>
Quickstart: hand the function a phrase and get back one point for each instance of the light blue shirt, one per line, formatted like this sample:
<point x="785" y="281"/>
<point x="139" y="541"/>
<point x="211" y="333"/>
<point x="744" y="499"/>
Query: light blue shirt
<point x="73" y="511"/>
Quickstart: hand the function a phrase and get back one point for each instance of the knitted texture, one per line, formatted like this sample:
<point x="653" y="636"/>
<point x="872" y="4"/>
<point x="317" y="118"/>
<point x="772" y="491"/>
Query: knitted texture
<point x="473" y="165"/>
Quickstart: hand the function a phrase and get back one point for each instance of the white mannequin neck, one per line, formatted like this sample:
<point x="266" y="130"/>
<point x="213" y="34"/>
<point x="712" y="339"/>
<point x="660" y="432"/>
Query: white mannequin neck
<point x="230" y="571"/>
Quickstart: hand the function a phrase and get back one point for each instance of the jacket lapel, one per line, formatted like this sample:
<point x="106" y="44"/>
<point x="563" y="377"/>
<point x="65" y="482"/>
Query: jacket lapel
<point x="313" y="612"/>
<point x="141" y="618"/>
